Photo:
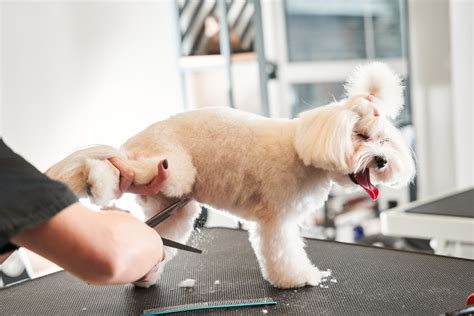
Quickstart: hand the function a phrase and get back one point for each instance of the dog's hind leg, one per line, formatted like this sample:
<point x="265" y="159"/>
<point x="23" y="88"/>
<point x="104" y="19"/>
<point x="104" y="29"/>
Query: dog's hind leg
<point x="281" y="255"/>
<point x="177" y="227"/>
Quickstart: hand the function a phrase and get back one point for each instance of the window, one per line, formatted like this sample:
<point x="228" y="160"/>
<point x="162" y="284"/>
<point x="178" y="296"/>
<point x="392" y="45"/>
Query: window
<point x="304" y="95"/>
<point x="326" y="39"/>
<point x="343" y="29"/>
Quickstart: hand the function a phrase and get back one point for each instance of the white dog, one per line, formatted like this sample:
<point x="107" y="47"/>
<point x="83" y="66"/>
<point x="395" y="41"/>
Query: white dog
<point x="259" y="169"/>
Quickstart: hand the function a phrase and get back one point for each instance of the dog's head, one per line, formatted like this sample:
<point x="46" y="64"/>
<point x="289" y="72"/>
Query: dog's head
<point x="354" y="139"/>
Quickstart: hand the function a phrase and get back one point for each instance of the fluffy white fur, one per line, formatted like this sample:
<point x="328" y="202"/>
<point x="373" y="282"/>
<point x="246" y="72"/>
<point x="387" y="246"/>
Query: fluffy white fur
<point x="378" y="79"/>
<point x="105" y="180"/>
<point x="263" y="170"/>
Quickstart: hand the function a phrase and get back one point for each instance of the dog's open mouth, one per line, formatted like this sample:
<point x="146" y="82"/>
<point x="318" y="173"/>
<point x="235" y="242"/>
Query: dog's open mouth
<point x="362" y="178"/>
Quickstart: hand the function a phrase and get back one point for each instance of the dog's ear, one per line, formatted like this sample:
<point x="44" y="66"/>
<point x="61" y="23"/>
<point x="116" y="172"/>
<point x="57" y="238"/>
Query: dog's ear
<point x="324" y="137"/>
<point x="378" y="80"/>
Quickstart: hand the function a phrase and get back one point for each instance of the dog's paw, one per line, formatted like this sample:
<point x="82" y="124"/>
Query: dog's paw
<point x="103" y="182"/>
<point x="151" y="277"/>
<point x="145" y="284"/>
<point x="309" y="276"/>
<point x="314" y="276"/>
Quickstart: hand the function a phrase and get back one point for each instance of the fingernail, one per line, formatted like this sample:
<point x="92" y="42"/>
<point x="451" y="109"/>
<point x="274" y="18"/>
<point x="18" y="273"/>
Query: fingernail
<point x="165" y="163"/>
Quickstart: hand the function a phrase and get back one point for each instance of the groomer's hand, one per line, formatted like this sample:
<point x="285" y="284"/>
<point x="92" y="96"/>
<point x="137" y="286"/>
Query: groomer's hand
<point x="98" y="247"/>
<point x="127" y="176"/>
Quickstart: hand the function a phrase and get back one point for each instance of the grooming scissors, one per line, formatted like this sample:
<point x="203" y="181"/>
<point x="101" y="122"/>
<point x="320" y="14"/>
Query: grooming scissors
<point x="164" y="214"/>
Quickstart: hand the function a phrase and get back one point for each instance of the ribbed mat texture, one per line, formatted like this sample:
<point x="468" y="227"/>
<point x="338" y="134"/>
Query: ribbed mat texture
<point x="370" y="281"/>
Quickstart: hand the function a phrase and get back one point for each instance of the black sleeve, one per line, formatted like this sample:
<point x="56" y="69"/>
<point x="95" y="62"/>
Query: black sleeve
<point x="27" y="197"/>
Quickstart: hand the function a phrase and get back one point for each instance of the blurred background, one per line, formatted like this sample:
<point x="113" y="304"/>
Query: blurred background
<point x="75" y="73"/>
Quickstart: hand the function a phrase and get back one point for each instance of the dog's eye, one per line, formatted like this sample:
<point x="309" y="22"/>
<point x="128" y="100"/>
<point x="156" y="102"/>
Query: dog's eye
<point x="363" y="136"/>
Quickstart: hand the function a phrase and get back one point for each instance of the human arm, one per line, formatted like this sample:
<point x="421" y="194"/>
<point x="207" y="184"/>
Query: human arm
<point x="43" y="215"/>
<point x="98" y="247"/>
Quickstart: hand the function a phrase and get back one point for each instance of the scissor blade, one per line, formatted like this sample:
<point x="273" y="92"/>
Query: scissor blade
<point x="177" y="245"/>
<point x="164" y="214"/>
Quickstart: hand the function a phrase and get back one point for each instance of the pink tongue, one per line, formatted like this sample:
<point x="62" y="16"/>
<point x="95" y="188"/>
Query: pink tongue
<point x="363" y="179"/>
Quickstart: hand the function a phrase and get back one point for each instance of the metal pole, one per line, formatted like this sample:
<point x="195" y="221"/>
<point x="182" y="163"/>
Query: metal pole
<point x="262" y="63"/>
<point x="405" y="37"/>
<point x="225" y="49"/>
<point x="179" y="49"/>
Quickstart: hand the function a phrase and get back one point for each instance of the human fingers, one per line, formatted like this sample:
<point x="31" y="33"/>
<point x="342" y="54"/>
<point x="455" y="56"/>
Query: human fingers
<point x="126" y="173"/>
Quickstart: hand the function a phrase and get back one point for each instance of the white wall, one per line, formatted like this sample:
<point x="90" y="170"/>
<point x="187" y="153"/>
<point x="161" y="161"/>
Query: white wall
<point x="462" y="50"/>
<point x="441" y="51"/>
<point x="429" y="26"/>
<point x="83" y="73"/>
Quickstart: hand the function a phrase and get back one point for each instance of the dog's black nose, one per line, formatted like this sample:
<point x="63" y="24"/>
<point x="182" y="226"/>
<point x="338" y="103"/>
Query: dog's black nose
<point x="380" y="161"/>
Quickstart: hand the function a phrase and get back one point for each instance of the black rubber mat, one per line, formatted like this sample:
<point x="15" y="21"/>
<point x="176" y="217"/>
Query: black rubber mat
<point x="460" y="204"/>
<point x="370" y="281"/>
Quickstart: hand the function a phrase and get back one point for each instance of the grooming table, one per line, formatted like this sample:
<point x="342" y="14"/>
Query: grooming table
<point x="370" y="281"/>
<point x="447" y="220"/>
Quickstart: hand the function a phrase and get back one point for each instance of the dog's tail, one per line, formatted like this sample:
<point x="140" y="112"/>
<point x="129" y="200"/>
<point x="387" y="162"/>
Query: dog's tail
<point x="74" y="169"/>
<point x="379" y="80"/>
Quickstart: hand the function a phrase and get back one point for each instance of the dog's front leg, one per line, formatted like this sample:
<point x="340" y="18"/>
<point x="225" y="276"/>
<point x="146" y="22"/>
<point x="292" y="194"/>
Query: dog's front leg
<point x="281" y="255"/>
<point x="177" y="227"/>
